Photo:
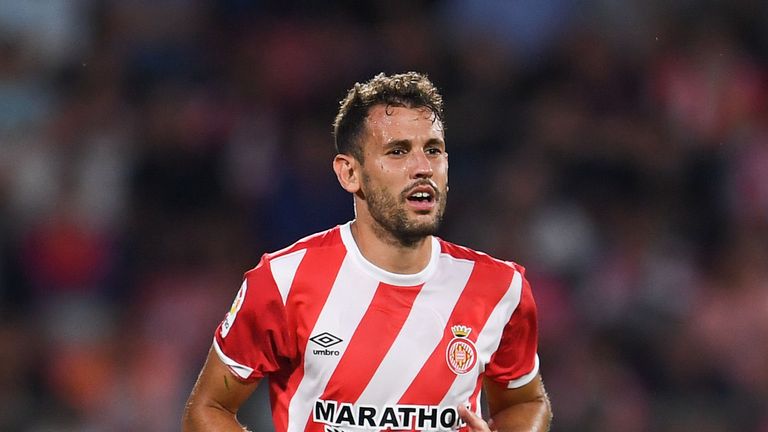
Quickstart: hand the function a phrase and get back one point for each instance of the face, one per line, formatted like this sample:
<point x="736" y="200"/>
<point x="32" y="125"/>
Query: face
<point x="404" y="175"/>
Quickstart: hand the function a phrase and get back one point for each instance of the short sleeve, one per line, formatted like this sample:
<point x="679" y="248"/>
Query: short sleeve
<point x="516" y="362"/>
<point x="254" y="338"/>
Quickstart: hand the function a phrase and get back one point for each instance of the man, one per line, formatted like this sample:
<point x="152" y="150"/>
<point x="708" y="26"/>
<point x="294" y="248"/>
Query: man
<point x="378" y="324"/>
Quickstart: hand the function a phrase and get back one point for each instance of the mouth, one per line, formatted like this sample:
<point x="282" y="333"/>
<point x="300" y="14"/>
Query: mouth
<point x="422" y="198"/>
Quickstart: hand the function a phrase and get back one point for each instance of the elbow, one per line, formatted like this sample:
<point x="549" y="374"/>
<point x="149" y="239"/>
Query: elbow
<point x="547" y="415"/>
<point x="197" y="417"/>
<point x="188" y="420"/>
<point x="201" y="417"/>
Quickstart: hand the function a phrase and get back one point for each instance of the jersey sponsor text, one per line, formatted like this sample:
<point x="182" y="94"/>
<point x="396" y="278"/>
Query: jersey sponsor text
<point x="395" y="417"/>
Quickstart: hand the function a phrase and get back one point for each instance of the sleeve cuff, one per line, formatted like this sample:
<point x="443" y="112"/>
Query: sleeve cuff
<point x="243" y="372"/>
<point x="525" y="379"/>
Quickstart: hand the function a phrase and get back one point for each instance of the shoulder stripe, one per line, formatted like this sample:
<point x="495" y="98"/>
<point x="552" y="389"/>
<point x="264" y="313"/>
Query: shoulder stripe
<point x="465" y="253"/>
<point x="284" y="269"/>
<point x="328" y="238"/>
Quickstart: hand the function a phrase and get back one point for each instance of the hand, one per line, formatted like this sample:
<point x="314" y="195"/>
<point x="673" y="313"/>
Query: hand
<point x="474" y="422"/>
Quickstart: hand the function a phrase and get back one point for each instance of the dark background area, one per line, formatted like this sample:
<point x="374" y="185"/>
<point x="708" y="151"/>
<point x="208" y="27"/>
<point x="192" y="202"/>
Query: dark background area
<point x="151" y="151"/>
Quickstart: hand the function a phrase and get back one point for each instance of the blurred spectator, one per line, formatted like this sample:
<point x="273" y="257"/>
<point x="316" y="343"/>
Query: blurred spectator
<point x="151" y="151"/>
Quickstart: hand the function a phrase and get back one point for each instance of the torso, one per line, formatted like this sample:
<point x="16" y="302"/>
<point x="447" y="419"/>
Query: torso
<point x="378" y="350"/>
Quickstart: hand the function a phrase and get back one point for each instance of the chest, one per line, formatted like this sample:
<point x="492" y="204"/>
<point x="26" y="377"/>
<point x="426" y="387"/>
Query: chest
<point x="416" y="347"/>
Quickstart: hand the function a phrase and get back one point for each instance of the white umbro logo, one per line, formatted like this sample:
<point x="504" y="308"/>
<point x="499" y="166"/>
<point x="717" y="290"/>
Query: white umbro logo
<point x="325" y="340"/>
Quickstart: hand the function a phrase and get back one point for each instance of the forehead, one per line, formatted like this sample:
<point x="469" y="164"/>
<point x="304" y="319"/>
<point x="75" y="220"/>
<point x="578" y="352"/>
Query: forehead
<point x="387" y="123"/>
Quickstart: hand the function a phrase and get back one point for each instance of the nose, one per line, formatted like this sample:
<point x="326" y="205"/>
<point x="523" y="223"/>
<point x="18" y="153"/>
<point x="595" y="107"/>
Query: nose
<point x="420" y="165"/>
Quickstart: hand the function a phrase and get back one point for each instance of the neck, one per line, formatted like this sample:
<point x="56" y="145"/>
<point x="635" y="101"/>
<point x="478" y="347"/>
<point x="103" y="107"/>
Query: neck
<point x="387" y="252"/>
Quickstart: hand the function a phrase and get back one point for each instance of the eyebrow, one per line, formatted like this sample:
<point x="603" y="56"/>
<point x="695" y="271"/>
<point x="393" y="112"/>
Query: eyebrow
<point x="436" y="141"/>
<point x="407" y="142"/>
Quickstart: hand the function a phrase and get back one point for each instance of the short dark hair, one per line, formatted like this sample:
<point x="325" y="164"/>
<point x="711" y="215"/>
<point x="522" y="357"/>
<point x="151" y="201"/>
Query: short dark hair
<point x="410" y="89"/>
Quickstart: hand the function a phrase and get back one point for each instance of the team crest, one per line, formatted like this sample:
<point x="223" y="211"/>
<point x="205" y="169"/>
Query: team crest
<point x="461" y="354"/>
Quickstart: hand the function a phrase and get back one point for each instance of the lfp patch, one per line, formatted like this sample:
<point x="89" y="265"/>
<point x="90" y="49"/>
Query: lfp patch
<point x="232" y="314"/>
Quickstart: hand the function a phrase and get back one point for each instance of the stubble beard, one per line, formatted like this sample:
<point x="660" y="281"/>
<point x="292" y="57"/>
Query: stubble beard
<point x="391" y="217"/>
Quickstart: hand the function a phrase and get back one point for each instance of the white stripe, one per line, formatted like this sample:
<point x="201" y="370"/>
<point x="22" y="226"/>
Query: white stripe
<point x="347" y="302"/>
<point x="420" y="334"/>
<point x="242" y="371"/>
<point x="284" y="269"/>
<point x="525" y="379"/>
<point x="487" y="342"/>
<point x="490" y="337"/>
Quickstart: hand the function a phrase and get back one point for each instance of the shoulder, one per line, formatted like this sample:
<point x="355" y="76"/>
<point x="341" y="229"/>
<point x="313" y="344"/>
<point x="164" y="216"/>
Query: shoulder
<point x="330" y="238"/>
<point x="278" y="268"/>
<point x="459" y="252"/>
<point x="323" y="239"/>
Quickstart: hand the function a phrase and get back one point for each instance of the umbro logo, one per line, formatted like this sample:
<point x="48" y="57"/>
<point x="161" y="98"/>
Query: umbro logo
<point x="325" y="340"/>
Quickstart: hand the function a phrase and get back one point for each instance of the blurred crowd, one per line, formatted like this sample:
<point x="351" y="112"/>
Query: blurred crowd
<point x="151" y="151"/>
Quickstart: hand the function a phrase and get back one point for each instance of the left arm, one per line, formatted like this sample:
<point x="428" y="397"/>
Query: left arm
<point x="520" y="409"/>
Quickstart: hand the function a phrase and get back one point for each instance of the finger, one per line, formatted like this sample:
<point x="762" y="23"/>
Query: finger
<point x="472" y="420"/>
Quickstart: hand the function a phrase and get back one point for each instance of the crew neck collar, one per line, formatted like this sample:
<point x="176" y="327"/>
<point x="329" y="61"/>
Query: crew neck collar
<point x="384" y="275"/>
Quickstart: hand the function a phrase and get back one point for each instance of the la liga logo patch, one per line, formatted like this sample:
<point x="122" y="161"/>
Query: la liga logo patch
<point x="232" y="314"/>
<point x="461" y="354"/>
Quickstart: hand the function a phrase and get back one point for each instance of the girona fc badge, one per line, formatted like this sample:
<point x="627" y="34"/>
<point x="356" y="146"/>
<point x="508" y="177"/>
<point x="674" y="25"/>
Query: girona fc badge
<point x="461" y="354"/>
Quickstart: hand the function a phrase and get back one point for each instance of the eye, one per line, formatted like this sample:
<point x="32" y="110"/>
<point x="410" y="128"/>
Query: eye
<point x="397" y="152"/>
<point x="434" y="151"/>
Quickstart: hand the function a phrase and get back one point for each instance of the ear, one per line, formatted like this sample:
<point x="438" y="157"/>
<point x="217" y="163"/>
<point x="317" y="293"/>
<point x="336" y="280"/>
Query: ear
<point x="347" y="170"/>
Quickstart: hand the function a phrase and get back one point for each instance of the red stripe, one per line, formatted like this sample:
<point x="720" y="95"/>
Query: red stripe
<point x="474" y="399"/>
<point x="370" y="342"/>
<point x="483" y="291"/>
<point x="311" y="286"/>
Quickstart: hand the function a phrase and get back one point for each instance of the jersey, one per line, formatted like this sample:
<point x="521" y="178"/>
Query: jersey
<point x="348" y="346"/>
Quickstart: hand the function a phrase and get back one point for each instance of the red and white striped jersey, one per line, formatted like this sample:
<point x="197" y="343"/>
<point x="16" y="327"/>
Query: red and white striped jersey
<point x="348" y="346"/>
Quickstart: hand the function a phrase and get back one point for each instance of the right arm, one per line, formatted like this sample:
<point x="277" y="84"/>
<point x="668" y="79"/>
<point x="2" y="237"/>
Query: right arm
<point x="254" y="340"/>
<point x="215" y="399"/>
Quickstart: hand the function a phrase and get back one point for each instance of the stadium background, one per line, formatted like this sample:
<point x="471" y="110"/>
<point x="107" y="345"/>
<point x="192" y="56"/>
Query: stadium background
<point x="150" y="151"/>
